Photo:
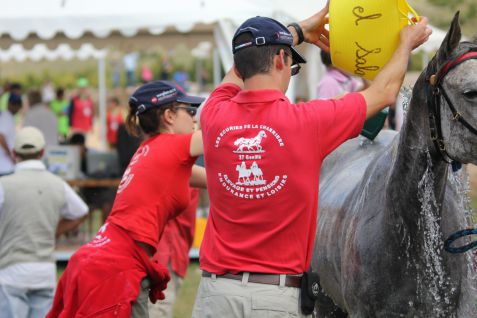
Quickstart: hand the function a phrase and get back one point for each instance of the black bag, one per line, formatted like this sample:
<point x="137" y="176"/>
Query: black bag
<point x="310" y="288"/>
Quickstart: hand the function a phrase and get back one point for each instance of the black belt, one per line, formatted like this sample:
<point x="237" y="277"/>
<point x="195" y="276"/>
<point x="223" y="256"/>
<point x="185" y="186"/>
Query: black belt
<point x="269" y="279"/>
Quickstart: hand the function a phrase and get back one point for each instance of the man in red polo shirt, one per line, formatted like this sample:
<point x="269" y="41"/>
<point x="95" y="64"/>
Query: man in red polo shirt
<point x="263" y="157"/>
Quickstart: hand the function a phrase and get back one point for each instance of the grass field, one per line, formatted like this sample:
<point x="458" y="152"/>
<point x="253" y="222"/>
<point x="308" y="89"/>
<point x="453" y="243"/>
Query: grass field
<point x="186" y="297"/>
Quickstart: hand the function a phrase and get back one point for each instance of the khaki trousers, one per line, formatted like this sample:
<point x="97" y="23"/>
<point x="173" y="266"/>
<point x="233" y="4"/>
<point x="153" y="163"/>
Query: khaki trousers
<point x="139" y="307"/>
<point x="227" y="298"/>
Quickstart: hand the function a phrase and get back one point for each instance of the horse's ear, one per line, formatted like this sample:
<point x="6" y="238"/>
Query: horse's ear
<point x="451" y="41"/>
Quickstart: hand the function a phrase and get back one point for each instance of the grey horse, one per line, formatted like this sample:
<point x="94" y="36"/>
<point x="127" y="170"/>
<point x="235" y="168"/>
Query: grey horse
<point x="386" y="208"/>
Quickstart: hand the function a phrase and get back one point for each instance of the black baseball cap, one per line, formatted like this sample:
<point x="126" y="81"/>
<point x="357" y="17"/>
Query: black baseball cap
<point x="266" y="31"/>
<point x="160" y="93"/>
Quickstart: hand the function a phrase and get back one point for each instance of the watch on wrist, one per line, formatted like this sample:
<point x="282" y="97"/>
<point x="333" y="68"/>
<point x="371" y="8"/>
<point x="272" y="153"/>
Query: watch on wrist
<point x="299" y="32"/>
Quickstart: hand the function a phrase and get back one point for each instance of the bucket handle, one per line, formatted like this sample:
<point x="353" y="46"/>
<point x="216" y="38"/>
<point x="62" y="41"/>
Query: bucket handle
<point x="404" y="8"/>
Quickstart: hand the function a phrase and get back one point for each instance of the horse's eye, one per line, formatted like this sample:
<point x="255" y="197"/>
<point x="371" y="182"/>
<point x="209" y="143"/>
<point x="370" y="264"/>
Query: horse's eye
<point x="470" y="94"/>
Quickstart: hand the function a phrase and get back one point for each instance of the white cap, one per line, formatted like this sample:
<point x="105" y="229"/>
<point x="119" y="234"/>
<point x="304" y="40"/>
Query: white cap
<point x="29" y="140"/>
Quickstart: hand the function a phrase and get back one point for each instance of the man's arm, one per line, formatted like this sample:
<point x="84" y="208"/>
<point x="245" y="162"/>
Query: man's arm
<point x="66" y="225"/>
<point x="4" y="145"/>
<point x="232" y="77"/>
<point x="384" y="89"/>
<point x="73" y="213"/>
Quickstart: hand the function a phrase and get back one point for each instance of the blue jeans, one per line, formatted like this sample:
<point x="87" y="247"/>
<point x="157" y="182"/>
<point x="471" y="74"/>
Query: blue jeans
<point x="25" y="303"/>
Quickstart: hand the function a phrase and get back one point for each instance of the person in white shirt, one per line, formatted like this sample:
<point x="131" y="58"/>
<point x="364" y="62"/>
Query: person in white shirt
<point x="35" y="207"/>
<point x="40" y="116"/>
<point x="7" y="133"/>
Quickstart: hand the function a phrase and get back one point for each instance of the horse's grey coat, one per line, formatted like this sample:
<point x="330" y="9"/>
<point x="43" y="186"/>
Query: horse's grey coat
<point x="372" y="243"/>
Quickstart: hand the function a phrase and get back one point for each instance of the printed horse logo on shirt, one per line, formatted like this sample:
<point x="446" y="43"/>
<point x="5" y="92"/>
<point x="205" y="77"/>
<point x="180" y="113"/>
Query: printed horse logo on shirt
<point x="250" y="145"/>
<point x="257" y="173"/>
<point x="245" y="173"/>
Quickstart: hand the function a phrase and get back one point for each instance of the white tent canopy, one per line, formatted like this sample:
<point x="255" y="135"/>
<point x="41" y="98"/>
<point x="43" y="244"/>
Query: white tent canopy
<point x="46" y="18"/>
<point x="40" y="51"/>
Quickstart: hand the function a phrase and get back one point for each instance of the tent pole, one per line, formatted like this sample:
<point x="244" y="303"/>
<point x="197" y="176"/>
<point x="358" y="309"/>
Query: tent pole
<point x="216" y="68"/>
<point x="102" y="99"/>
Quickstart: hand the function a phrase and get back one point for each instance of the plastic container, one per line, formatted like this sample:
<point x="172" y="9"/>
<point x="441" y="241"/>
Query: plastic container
<point x="365" y="33"/>
<point x="373" y="125"/>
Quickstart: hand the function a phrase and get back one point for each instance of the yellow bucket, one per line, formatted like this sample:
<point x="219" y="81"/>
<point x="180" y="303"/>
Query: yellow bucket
<point x="365" y="33"/>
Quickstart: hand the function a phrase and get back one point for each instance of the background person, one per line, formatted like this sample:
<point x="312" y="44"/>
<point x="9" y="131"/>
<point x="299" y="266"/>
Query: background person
<point x="59" y="106"/>
<point x="263" y="157"/>
<point x="40" y="116"/>
<point x="154" y="189"/>
<point x="10" y="88"/>
<point x="7" y="133"/>
<point x="35" y="206"/>
<point x="81" y="110"/>
<point x="126" y="146"/>
<point x="114" y="118"/>
<point x="335" y="83"/>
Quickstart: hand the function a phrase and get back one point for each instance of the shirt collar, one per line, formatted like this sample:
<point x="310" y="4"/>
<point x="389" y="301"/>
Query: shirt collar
<point x="258" y="96"/>
<point x="30" y="165"/>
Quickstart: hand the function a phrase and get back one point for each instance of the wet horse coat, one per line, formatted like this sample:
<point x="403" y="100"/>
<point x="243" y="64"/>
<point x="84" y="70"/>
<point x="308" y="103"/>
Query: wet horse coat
<point x="386" y="208"/>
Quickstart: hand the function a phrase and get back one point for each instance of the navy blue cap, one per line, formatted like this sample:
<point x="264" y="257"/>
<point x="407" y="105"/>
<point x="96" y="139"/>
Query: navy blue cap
<point x="14" y="99"/>
<point x="160" y="93"/>
<point x="266" y="31"/>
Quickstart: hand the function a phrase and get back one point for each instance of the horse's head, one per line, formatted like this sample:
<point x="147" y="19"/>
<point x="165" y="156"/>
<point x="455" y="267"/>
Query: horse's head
<point x="450" y="85"/>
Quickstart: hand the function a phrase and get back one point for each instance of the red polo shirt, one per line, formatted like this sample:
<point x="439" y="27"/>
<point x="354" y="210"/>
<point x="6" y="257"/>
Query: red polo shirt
<point x="263" y="157"/>
<point x="154" y="187"/>
<point x="82" y="114"/>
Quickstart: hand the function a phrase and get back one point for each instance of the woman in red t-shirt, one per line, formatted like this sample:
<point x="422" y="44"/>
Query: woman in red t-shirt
<point x="114" y="118"/>
<point x="115" y="271"/>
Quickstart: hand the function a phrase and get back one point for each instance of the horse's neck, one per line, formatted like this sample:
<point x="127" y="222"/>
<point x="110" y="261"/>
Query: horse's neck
<point x="416" y="160"/>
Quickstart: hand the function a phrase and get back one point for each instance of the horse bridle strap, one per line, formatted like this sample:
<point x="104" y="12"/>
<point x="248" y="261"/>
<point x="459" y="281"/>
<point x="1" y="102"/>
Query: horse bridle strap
<point x="433" y="100"/>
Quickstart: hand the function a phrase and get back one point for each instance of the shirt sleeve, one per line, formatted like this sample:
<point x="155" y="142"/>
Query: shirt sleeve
<point x="339" y="120"/>
<point x="74" y="207"/>
<point x="182" y="144"/>
<point x="223" y="92"/>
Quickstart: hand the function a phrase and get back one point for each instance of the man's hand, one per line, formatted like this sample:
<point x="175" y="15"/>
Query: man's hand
<point x="314" y="30"/>
<point x="412" y="36"/>
<point x="384" y="89"/>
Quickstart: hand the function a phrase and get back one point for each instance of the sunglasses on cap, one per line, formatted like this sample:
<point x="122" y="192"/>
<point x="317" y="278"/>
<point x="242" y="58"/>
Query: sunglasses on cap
<point x="189" y="109"/>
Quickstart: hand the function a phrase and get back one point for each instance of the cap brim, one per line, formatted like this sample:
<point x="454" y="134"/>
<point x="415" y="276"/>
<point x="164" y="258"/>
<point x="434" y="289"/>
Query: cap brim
<point x="193" y="100"/>
<point x="297" y="58"/>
